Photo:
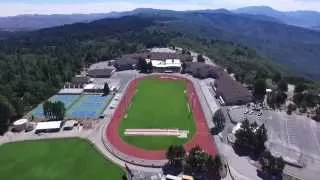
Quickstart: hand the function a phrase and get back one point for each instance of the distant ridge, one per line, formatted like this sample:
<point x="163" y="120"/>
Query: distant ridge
<point x="306" y="19"/>
<point x="296" y="47"/>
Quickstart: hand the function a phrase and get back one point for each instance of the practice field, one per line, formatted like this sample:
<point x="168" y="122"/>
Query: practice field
<point x="158" y="104"/>
<point x="67" y="159"/>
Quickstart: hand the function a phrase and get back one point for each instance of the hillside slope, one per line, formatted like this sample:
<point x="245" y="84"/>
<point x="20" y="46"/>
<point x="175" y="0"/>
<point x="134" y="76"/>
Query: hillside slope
<point x="289" y="45"/>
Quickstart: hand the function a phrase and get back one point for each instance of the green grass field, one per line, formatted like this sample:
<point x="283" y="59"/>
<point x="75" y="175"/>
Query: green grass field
<point x="67" y="159"/>
<point x="158" y="104"/>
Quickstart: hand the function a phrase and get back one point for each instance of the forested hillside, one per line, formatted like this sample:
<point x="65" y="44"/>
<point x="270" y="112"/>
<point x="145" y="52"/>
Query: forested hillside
<point x="307" y="19"/>
<point x="33" y="22"/>
<point x="291" y="46"/>
<point x="33" y="66"/>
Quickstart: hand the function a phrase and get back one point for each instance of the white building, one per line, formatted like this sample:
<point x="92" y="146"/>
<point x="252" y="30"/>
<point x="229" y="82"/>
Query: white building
<point x="169" y="65"/>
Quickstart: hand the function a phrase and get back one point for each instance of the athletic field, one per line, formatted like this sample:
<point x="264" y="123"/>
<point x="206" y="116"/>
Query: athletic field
<point x="67" y="159"/>
<point x="158" y="104"/>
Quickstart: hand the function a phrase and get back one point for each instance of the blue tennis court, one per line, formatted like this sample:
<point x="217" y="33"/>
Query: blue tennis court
<point x="90" y="106"/>
<point x="66" y="99"/>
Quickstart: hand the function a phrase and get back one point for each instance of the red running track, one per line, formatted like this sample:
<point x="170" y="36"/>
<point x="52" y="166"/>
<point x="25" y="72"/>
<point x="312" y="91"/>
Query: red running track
<point x="201" y="138"/>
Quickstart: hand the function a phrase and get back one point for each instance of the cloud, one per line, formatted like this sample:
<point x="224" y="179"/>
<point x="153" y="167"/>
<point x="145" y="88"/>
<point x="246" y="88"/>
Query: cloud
<point x="98" y="6"/>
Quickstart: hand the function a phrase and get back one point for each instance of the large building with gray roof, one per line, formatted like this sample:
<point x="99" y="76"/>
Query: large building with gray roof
<point x="228" y="90"/>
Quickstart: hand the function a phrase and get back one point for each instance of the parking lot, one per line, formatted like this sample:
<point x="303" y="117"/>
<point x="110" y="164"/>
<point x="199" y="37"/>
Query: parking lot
<point x="295" y="138"/>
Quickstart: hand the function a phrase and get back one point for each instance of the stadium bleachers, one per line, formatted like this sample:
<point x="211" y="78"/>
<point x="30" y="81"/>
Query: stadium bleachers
<point x="66" y="99"/>
<point x="89" y="106"/>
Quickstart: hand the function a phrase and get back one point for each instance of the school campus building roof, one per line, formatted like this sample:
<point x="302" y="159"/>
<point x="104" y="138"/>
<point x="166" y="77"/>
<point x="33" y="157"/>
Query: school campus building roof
<point x="101" y="73"/>
<point x="50" y="125"/>
<point x="231" y="91"/>
<point x="159" y="56"/>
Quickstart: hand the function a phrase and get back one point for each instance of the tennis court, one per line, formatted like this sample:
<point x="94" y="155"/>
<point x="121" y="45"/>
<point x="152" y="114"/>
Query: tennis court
<point x="68" y="100"/>
<point x="89" y="106"/>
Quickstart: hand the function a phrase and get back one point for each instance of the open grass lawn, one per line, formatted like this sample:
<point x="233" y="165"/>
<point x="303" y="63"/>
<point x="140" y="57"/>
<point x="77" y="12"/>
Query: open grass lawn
<point x="158" y="104"/>
<point x="67" y="159"/>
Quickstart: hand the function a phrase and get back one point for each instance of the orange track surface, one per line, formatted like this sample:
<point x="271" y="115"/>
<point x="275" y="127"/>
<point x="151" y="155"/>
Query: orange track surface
<point x="201" y="138"/>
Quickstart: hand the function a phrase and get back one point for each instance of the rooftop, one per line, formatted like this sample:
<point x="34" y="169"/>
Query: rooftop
<point x="166" y="63"/>
<point x="202" y="70"/>
<point x="48" y="125"/>
<point x="231" y="90"/>
<point x="79" y="80"/>
<point x="100" y="65"/>
<point x="163" y="50"/>
<point x="101" y="72"/>
<point x="71" y="91"/>
<point x="159" y="56"/>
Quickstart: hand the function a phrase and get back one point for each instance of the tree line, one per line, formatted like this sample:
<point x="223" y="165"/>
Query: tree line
<point x="54" y="111"/>
<point x="250" y="141"/>
<point x="196" y="163"/>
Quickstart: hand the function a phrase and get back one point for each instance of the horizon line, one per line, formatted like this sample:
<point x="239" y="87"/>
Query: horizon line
<point x="120" y="11"/>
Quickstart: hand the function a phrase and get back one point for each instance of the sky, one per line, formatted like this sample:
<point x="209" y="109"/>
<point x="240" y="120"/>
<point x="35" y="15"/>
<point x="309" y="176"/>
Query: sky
<point x="16" y="7"/>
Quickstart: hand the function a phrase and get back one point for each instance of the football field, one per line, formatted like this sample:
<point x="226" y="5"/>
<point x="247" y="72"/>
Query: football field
<point x="66" y="159"/>
<point x="158" y="104"/>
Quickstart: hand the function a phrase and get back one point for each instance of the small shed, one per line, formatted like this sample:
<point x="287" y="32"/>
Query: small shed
<point x="68" y="125"/>
<point x="50" y="126"/>
<point x="20" y="124"/>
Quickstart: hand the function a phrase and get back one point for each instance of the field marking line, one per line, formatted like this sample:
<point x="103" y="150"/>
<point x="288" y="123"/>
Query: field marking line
<point x="188" y="107"/>
<point x="287" y="130"/>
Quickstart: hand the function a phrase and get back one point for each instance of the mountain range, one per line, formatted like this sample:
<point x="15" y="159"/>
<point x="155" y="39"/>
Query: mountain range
<point x="273" y="37"/>
<point x="31" y="22"/>
<point x="306" y="19"/>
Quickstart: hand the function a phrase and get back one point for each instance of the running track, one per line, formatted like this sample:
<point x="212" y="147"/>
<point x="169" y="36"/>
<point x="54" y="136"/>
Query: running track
<point x="201" y="138"/>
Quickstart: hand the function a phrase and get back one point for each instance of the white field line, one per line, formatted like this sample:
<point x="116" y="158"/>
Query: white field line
<point x="168" y="77"/>
<point x="153" y="133"/>
<point x="156" y="132"/>
<point x="188" y="107"/>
